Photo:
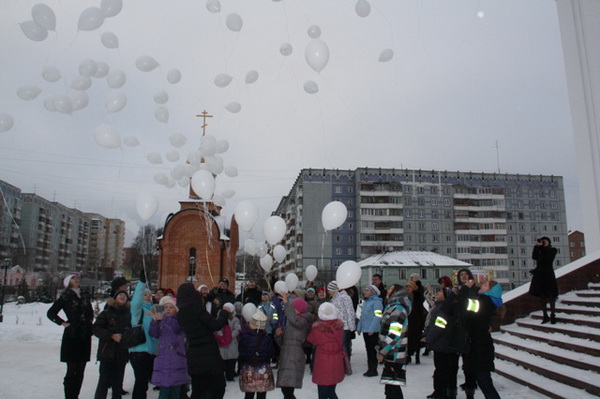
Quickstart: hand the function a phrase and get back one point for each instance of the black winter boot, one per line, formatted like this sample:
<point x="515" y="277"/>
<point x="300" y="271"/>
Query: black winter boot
<point x="470" y="393"/>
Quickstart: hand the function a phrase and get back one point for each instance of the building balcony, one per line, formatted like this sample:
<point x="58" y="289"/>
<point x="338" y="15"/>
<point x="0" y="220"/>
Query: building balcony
<point x="388" y="230"/>
<point x="387" y="218"/>
<point x="382" y="243"/>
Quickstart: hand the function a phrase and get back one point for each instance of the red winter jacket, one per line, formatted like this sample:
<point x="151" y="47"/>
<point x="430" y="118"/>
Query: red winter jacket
<point x="327" y="337"/>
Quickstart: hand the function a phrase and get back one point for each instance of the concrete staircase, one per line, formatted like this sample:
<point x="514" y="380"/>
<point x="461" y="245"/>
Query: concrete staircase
<point x="559" y="360"/>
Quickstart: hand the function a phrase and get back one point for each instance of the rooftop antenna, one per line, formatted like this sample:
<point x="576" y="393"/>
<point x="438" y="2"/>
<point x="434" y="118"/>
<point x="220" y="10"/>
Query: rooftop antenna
<point x="498" y="156"/>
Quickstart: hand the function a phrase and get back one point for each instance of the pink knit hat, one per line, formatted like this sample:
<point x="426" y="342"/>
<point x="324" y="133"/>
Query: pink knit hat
<point x="300" y="305"/>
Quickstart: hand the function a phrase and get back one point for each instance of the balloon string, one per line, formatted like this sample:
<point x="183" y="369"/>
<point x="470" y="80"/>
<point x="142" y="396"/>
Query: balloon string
<point x="323" y="250"/>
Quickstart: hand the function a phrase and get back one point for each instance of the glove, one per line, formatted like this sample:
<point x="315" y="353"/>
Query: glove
<point x="142" y="276"/>
<point x="532" y="272"/>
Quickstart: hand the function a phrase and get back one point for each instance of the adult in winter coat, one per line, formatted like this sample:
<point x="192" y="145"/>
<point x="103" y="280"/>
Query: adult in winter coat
<point x="478" y="315"/>
<point x="416" y="318"/>
<point x="292" y="360"/>
<point x="445" y="360"/>
<point x="342" y="301"/>
<point x="109" y="327"/>
<point x="368" y="325"/>
<point x="393" y="341"/>
<point x="222" y="293"/>
<point x="76" y="345"/>
<point x="256" y="350"/>
<point x="543" y="282"/>
<point x="327" y="336"/>
<point x="170" y="365"/>
<point x="142" y="356"/>
<point x="230" y="352"/>
<point x="205" y="365"/>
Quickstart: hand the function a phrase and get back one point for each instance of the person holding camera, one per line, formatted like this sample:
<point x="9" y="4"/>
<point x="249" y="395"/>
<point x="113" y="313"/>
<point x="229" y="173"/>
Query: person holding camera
<point x="543" y="281"/>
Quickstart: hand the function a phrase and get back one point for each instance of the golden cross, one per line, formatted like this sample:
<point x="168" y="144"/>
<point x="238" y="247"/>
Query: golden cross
<point x="204" y="115"/>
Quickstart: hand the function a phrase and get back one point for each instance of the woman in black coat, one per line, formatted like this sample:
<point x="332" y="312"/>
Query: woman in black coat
<point x="205" y="365"/>
<point x="543" y="282"/>
<point x="112" y="354"/>
<point x="76" y="343"/>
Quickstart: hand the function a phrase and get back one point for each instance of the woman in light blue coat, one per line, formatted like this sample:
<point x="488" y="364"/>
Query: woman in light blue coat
<point x="368" y="325"/>
<point x="142" y="356"/>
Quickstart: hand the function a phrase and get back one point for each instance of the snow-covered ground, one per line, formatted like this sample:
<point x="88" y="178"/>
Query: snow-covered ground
<point x="30" y="367"/>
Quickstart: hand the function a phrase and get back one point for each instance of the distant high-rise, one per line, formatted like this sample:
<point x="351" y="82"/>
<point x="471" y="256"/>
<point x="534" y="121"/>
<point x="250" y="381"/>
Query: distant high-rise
<point x="489" y="220"/>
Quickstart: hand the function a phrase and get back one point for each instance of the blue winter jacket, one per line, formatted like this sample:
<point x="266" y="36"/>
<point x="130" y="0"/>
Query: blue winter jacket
<point x="370" y="316"/>
<point x="137" y="307"/>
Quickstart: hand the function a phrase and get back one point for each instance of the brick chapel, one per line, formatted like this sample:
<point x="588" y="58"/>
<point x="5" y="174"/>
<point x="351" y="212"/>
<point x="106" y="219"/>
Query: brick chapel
<point x="196" y="245"/>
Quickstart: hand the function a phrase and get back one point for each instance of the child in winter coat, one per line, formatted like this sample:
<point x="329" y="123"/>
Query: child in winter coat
<point x="109" y="328"/>
<point x="170" y="365"/>
<point x="327" y="335"/>
<point x="255" y="352"/>
<point x="229" y="352"/>
<point x="368" y="325"/>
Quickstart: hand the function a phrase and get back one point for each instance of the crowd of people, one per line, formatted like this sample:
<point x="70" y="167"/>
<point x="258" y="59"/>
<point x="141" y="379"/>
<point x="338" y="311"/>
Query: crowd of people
<point x="197" y="339"/>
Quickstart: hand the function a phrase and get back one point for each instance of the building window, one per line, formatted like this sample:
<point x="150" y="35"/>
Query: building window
<point x="421" y="225"/>
<point x="402" y="274"/>
<point x="421" y="214"/>
<point x="338" y="189"/>
<point x="338" y="238"/>
<point x="350" y="251"/>
<point x="446" y="201"/>
<point x="422" y="238"/>
<point x="435" y="226"/>
<point x="424" y="274"/>
<point x="350" y="190"/>
<point x="338" y="251"/>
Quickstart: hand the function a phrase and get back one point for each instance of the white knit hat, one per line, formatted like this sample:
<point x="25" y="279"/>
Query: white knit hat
<point x="327" y="311"/>
<point x="259" y="320"/>
<point x="67" y="280"/>
<point x="229" y="306"/>
<point x="332" y="286"/>
<point x="168" y="299"/>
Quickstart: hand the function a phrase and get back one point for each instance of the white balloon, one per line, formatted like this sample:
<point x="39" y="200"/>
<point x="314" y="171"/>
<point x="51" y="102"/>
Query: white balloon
<point x="51" y="74"/>
<point x="154" y="158"/>
<point x="194" y="158"/>
<point x="191" y="169"/>
<point x="110" y="8"/>
<point x="280" y="287"/>
<point x="162" y="114"/>
<point x="228" y="193"/>
<point x="81" y="83"/>
<point x="88" y="68"/>
<point x="261" y="250"/>
<point x="44" y="16"/>
<point x="347" y="274"/>
<point x="161" y="97"/>
<point x="246" y="214"/>
<point x="213" y="6"/>
<point x="178" y="172"/>
<point x="279" y="253"/>
<point x="218" y="200"/>
<point x="6" y="122"/>
<point x="234" y="22"/>
<point x="291" y="281"/>
<point x="33" y="31"/>
<point x="266" y="262"/>
<point x="101" y="70"/>
<point x="174" y="76"/>
<point x="107" y="137"/>
<point x="362" y="8"/>
<point x="109" y="40"/>
<point x="177" y="140"/>
<point x="28" y="92"/>
<point x="334" y="214"/>
<point x="250" y="246"/>
<point x="311" y="272"/>
<point x="63" y="104"/>
<point x="90" y="19"/>
<point x="171" y="183"/>
<point x="248" y="311"/>
<point x="146" y="205"/>
<point x="311" y="87"/>
<point x="233" y="107"/>
<point x="161" y="178"/>
<point x="115" y="101"/>
<point x="231" y="171"/>
<point x="146" y="63"/>
<point x="317" y="55"/>
<point x="184" y="182"/>
<point x="221" y="146"/>
<point x="274" y="229"/>
<point x="116" y="79"/>
<point x="222" y="80"/>
<point x="251" y="77"/>
<point x="173" y="156"/>
<point x="131" y="141"/>
<point x="208" y="145"/>
<point x="286" y="49"/>
<point x="386" y="55"/>
<point x="215" y="165"/>
<point x="49" y="103"/>
<point x="314" y="32"/>
<point x="203" y="184"/>
<point x="79" y="99"/>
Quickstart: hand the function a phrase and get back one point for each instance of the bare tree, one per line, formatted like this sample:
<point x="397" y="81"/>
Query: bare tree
<point x="145" y="251"/>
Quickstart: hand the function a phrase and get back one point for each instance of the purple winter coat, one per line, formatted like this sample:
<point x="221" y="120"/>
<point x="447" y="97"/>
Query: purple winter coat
<point x="170" y="365"/>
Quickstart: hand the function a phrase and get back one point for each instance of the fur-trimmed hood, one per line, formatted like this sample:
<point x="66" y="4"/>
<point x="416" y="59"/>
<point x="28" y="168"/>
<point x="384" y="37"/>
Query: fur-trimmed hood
<point x="112" y="302"/>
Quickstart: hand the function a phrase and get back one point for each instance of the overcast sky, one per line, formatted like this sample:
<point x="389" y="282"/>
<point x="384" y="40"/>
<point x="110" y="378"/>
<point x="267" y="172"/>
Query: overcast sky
<point x="463" y="76"/>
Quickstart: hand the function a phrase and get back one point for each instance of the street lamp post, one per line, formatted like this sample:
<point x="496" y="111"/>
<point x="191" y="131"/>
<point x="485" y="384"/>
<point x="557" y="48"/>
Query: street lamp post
<point x="6" y="266"/>
<point x="192" y="269"/>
